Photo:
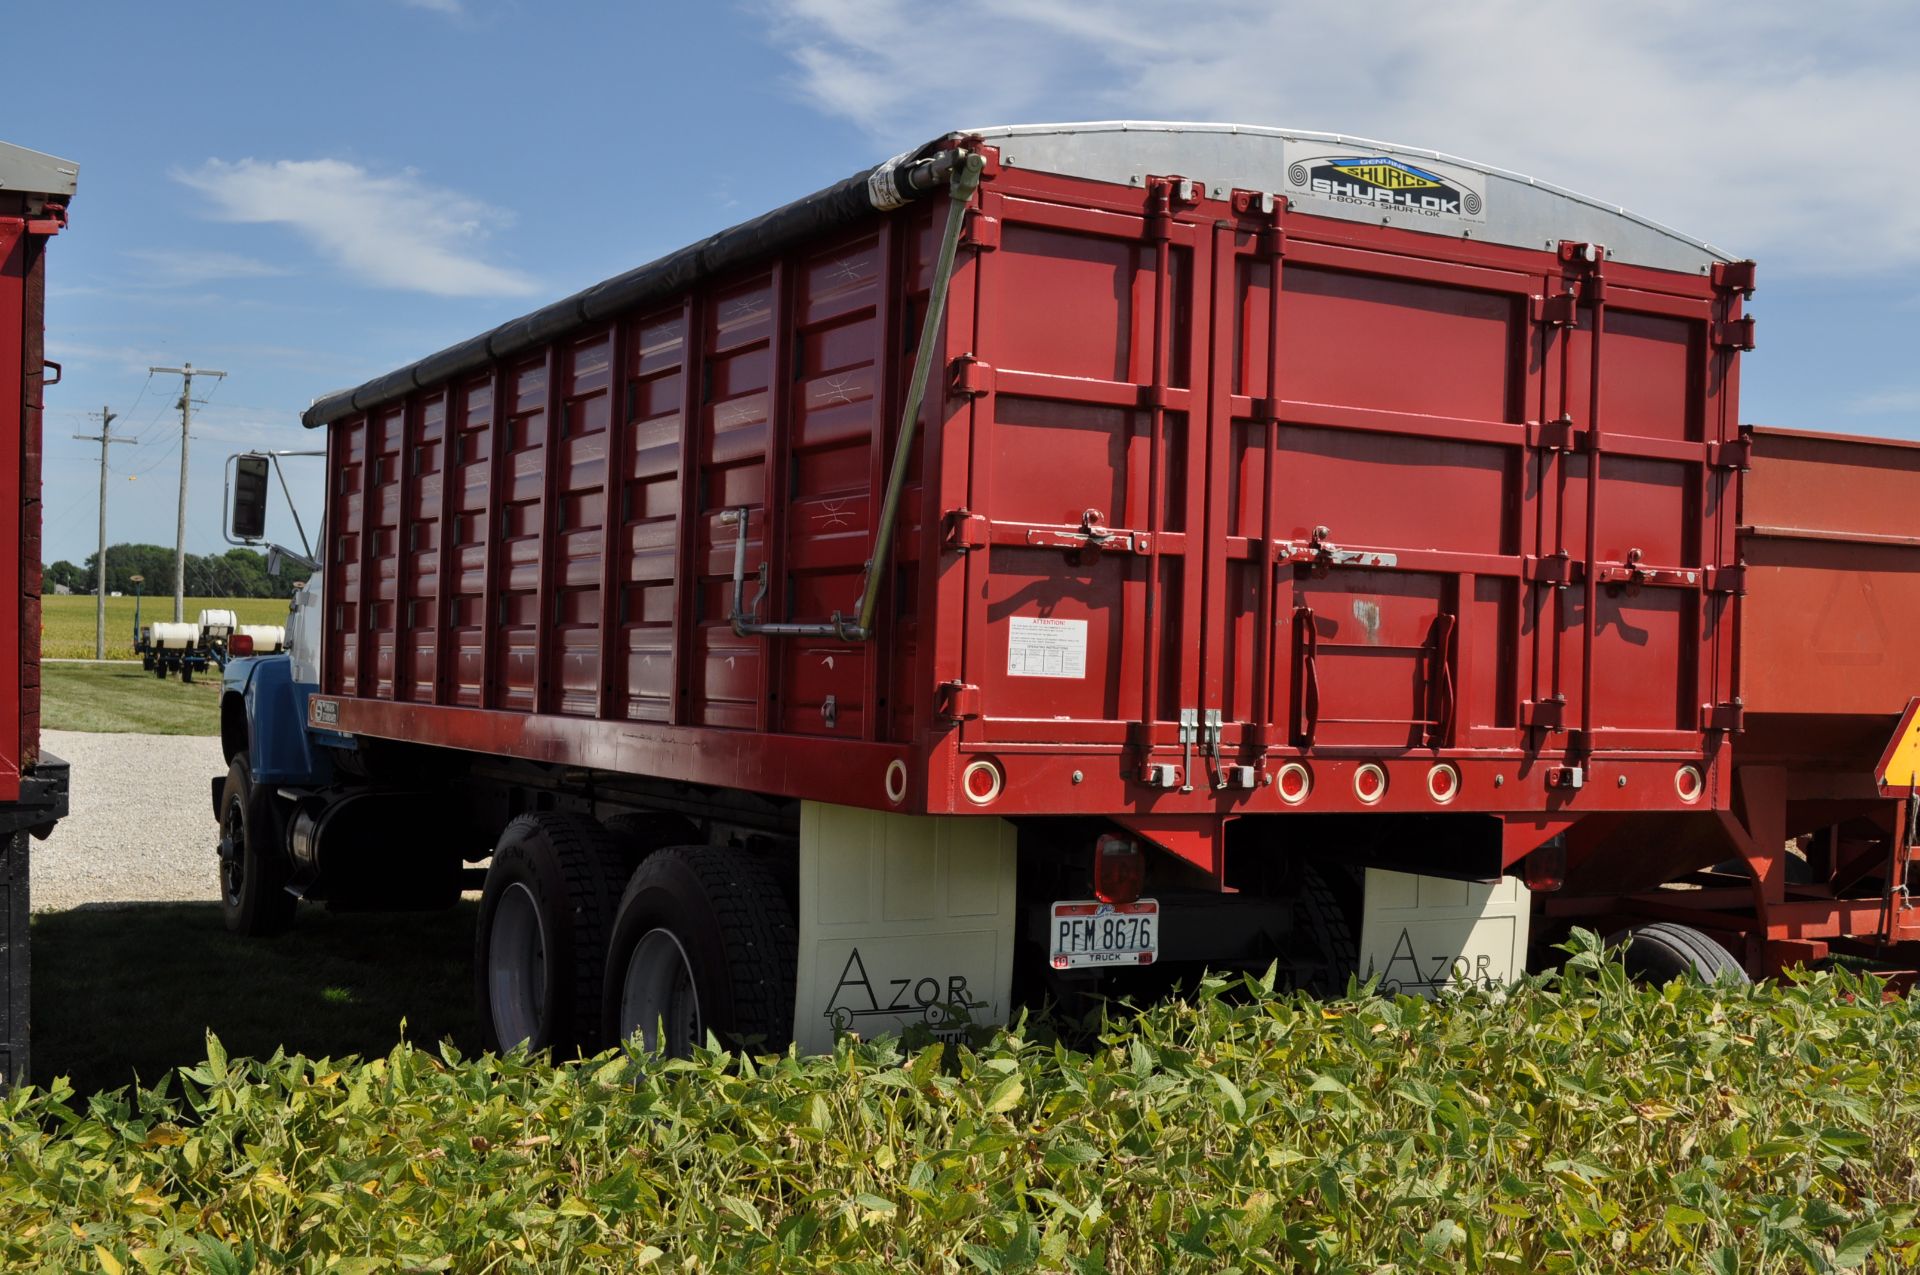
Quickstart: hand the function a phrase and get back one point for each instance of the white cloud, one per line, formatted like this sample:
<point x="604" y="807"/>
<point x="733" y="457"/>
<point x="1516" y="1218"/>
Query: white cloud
<point x="393" y="231"/>
<point x="1772" y="128"/>
<point x="77" y="356"/>
<point x="1885" y="402"/>
<point x="173" y="266"/>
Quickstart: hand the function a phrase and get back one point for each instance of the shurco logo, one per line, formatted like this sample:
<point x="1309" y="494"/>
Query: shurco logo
<point x="1382" y="182"/>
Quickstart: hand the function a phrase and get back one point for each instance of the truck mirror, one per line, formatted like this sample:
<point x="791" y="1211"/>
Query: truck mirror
<point x="249" y="497"/>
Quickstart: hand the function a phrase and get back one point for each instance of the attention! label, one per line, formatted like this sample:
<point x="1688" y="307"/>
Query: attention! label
<point x="1046" y="648"/>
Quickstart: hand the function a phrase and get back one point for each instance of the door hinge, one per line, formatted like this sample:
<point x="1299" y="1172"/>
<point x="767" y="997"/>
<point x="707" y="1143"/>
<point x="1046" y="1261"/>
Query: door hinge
<point x="981" y="231"/>
<point x="1557" y="435"/>
<point x="959" y="701"/>
<point x="1734" y="334"/>
<point x="1733" y="276"/>
<point x="968" y="375"/>
<point x="1730" y="716"/>
<point x="1547" y="714"/>
<point x="1727" y="580"/>
<point x="963" y="531"/>
<point x="1560" y="310"/>
<point x="1558" y="570"/>
<point x="1735" y="453"/>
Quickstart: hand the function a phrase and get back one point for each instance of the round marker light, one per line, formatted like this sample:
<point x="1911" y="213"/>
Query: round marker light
<point x="1443" y="783"/>
<point x="1295" y="783"/>
<point x="1370" y="784"/>
<point x="1688" y="783"/>
<point x="981" y="782"/>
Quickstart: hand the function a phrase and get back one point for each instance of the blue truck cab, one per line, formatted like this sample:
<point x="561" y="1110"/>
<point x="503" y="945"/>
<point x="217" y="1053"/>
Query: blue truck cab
<point x="272" y="757"/>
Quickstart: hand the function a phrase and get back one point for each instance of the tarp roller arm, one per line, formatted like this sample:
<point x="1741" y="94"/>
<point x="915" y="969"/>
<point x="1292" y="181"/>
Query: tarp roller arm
<point x="964" y="179"/>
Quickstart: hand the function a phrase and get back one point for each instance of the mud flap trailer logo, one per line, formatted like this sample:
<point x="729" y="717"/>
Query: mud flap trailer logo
<point x="1387" y="183"/>
<point x="943" y="1002"/>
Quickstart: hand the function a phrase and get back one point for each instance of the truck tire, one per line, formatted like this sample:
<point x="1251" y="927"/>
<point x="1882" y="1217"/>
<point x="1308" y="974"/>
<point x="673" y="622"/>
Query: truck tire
<point x="253" y="863"/>
<point x="1325" y="917"/>
<point x="704" y="942"/>
<point x="541" y="942"/>
<point x="1663" y="951"/>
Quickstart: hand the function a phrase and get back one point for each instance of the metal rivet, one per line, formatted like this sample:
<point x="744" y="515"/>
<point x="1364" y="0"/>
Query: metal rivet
<point x="1077" y="776"/>
<point x="1620" y="782"/>
<point x="1499" y="781"/>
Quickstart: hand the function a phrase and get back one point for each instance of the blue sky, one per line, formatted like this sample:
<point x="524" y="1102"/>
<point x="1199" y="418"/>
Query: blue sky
<point x="308" y="195"/>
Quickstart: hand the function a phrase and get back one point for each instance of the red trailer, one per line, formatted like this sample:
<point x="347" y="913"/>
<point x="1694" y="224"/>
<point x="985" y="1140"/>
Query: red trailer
<point x="1821" y="833"/>
<point x="1297" y="538"/>
<point x="34" y="191"/>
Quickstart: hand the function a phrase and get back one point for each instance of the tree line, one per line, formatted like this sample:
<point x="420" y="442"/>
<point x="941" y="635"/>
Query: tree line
<point x="237" y="573"/>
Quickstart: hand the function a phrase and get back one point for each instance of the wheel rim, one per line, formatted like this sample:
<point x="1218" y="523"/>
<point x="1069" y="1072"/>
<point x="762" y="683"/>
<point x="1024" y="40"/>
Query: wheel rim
<point x="233" y="854"/>
<point x="517" y="967"/>
<point x="659" y="993"/>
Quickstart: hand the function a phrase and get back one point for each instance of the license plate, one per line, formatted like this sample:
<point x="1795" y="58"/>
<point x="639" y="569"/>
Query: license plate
<point x="1089" y="933"/>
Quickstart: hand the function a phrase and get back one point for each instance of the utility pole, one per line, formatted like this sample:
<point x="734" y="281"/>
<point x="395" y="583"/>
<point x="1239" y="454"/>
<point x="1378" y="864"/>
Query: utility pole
<point x="186" y="374"/>
<point x="106" y="438"/>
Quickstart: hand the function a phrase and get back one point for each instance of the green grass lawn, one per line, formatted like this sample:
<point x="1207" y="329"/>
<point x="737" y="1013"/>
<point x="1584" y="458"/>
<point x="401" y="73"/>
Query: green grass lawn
<point x="67" y="622"/>
<point x="123" y="698"/>
<point x="125" y="991"/>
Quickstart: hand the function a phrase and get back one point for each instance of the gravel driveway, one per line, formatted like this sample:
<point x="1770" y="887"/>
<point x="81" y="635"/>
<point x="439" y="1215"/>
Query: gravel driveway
<point x="140" y="827"/>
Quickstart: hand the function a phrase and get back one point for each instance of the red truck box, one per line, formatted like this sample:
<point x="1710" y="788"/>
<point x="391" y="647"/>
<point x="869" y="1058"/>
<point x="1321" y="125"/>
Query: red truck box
<point x="1259" y="474"/>
<point x="34" y="190"/>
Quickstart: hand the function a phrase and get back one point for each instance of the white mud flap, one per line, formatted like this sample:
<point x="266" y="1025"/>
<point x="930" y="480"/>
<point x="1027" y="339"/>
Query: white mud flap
<point x="1423" y="935"/>
<point x="904" y="919"/>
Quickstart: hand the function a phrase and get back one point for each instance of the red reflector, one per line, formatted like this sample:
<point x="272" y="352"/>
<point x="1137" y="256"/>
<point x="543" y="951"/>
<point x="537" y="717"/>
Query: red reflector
<point x="1119" y="869"/>
<point x="240" y="644"/>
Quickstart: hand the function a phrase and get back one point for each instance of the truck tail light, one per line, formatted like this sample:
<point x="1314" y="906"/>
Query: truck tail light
<point x="1546" y="867"/>
<point x="1119" y="869"/>
<point x="240" y="644"/>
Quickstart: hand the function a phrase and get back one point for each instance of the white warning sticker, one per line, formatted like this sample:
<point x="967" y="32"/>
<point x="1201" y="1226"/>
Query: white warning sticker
<point x="1046" y="648"/>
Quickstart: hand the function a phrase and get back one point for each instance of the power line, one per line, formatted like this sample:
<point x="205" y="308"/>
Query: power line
<point x="142" y="394"/>
<point x="153" y="420"/>
<point x="166" y="453"/>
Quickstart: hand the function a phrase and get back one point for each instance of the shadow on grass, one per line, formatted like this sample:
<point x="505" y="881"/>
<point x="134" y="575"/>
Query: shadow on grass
<point x="125" y="992"/>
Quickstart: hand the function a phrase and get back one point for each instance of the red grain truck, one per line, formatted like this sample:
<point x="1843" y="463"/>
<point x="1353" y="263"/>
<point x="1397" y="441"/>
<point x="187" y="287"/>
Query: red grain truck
<point x="1058" y="558"/>
<point x="34" y="191"/>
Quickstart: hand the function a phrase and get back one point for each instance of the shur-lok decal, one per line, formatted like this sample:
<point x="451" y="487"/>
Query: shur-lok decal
<point x="1386" y="183"/>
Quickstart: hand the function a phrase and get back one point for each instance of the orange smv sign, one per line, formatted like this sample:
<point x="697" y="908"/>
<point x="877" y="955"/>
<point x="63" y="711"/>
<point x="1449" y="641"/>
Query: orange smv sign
<point x="1900" y="765"/>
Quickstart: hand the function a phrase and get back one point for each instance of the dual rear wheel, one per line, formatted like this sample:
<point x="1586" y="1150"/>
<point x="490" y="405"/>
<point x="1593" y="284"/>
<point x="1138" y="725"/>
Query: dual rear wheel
<point x="589" y="935"/>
